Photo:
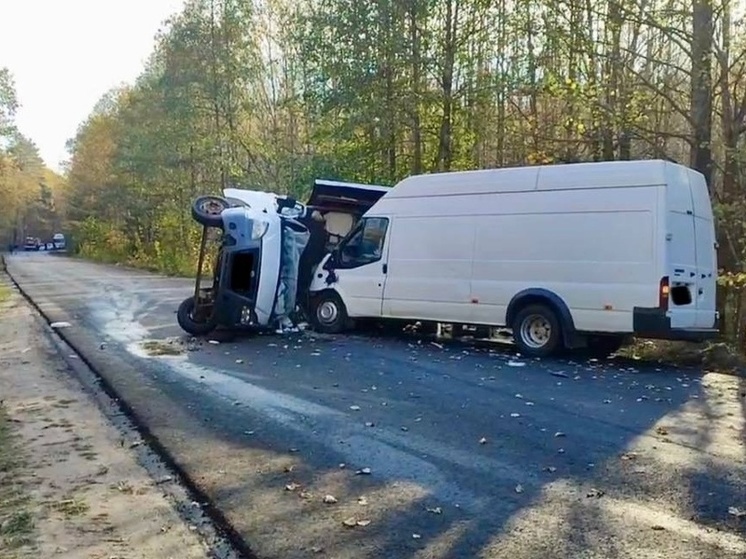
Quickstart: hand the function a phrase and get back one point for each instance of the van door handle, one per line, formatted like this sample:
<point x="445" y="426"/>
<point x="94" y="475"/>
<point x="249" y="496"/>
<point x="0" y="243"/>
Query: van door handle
<point x="385" y="268"/>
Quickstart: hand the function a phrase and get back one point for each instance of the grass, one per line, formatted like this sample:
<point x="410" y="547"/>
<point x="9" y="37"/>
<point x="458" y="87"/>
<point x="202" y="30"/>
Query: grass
<point x="4" y="293"/>
<point x="16" y="522"/>
<point x="70" y="507"/>
<point x="713" y="356"/>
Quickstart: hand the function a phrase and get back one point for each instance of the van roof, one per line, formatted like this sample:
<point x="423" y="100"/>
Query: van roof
<point x="607" y="174"/>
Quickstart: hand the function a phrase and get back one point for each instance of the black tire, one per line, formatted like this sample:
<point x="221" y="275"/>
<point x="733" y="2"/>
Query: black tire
<point x="207" y="210"/>
<point x="601" y="347"/>
<point x="537" y="331"/>
<point x="188" y="323"/>
<point x="329" y="313"/>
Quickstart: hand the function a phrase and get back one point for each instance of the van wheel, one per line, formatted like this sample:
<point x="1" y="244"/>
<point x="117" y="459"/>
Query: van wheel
<point x="207" y="210"/>
<point x="185" y="318"/>
<point x="536" y="331"/>
<point x="330" y="314"/>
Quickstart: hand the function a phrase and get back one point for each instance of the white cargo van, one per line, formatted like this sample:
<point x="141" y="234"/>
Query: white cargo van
<point x="568" y="256"/>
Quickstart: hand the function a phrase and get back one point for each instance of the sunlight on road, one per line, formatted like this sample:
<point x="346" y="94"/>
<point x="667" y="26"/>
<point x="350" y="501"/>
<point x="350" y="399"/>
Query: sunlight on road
<point x="692" y="443"/>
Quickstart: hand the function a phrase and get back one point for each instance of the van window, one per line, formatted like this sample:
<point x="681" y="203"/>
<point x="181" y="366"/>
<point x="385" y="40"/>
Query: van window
<point x="365" y="243"/>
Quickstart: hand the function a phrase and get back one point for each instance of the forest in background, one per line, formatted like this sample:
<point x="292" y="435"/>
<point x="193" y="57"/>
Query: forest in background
<point x="270" y="94"/>
<point x="32" y="197"/>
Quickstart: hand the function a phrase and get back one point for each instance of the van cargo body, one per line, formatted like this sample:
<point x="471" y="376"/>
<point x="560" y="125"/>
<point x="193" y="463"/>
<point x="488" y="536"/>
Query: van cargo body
<point x="568" y="256"/>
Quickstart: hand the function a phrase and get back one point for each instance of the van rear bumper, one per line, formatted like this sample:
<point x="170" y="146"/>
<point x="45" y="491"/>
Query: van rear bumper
<point x="653" y="323"/>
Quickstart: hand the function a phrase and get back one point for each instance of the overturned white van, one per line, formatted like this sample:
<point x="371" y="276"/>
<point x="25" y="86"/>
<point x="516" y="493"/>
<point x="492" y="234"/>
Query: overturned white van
<point x="568" y="256"/>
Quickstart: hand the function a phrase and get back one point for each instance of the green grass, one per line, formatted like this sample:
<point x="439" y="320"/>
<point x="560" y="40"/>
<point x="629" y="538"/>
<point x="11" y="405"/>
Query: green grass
<point x="16" y="522"/>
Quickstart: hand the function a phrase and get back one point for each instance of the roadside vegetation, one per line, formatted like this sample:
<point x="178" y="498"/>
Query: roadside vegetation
<point x="32" y="196"/>
<point x="16" y="521"/>
<point x="271" y="95"/>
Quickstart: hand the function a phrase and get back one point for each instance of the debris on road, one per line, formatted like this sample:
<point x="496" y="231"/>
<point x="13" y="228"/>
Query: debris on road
<point x="735" y="511"/>
<point x="63" y="324"/>
<point x="363" y="472"/>
<point x="482" y="441"/>
<point x="354" y="522"/>
<point x="330" y="499"/>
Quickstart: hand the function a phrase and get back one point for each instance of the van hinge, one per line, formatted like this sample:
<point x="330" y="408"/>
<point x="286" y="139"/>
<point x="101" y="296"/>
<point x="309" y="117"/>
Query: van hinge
<point x="385" y="268"/>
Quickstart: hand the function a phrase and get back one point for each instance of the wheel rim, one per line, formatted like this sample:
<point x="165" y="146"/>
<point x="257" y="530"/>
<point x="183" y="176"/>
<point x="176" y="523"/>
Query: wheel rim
<point x="536" y="331"/>
<point x="327" y="312"/>
<point x="211" y="206"/>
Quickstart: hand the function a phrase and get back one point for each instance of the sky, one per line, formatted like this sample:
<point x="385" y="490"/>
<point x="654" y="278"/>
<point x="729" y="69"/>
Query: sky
<point x="66" y="54"/>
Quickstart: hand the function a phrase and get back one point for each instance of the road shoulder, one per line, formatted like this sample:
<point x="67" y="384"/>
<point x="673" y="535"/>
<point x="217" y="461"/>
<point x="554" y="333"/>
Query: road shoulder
<point x="69" y="487"/>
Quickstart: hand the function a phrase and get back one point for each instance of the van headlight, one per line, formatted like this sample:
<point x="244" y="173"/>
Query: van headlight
<point x="258" y="229"/>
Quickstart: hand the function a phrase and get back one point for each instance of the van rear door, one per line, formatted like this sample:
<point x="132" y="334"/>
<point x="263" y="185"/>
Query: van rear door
<point x="704" y="232"/>
<point x="681" y="252"/>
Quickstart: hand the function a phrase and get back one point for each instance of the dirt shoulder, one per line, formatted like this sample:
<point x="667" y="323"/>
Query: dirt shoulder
<point x="69" y="486"/>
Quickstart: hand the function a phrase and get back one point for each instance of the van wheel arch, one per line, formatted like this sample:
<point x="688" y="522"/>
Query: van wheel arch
<point x="540" y="296"/>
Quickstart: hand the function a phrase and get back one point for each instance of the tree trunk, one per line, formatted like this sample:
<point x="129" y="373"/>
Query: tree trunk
<point x="701" y="88"/>
<point x="445" y="143"/>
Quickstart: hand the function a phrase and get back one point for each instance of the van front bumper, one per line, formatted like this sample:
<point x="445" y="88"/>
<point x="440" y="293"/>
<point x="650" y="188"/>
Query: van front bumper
<point x="653" y="323"/>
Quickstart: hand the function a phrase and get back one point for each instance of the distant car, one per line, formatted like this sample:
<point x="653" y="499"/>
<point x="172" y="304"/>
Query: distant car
<point x="32" y="243"/>
<point x="59" y="241"/>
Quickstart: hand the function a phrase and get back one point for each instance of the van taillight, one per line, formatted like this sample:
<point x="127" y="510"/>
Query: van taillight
<point x="663" y="293"/>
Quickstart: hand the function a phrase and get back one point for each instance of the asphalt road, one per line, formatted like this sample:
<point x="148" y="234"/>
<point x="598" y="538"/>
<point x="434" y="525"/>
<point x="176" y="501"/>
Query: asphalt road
<point x="471" y="451"/>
